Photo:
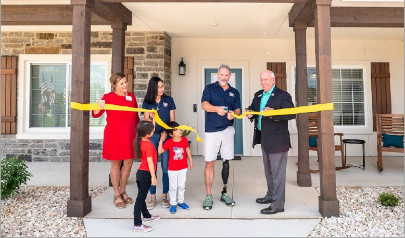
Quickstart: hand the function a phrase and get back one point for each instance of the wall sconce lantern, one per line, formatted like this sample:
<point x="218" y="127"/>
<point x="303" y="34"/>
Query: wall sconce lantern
<point x="182" y="67"/>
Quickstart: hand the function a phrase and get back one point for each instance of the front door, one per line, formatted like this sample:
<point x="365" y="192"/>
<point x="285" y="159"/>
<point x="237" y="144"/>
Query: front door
<point x="210" y="75"/>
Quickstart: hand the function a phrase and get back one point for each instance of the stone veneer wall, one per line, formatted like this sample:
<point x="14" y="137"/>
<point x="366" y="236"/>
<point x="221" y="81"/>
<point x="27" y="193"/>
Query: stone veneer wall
<point x="151" y="51"/>
<point x="152" y="57"/>
<point x="45" y="150"/>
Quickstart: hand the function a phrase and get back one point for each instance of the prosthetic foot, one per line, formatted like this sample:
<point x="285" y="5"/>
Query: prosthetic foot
<point x="225" y="174"/>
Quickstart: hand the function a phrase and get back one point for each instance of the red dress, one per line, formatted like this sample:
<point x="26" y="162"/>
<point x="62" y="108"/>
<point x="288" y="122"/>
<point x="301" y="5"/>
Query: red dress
<point x="119" y="133"/>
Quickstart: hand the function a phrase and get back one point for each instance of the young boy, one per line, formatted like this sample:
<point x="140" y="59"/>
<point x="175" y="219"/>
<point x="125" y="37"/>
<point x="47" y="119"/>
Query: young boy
<point x="178" y="148"/>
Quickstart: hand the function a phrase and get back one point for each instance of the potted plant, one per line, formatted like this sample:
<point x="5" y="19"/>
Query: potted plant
<point x="185" y="133"/>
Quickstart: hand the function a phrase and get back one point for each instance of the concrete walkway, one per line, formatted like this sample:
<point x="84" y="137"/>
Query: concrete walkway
<point x="203" y="228"/>
<point x="246" y="183"/>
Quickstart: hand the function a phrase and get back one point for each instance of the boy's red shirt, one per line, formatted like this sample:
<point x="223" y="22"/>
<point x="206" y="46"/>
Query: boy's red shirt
<point x="177" y="153"/>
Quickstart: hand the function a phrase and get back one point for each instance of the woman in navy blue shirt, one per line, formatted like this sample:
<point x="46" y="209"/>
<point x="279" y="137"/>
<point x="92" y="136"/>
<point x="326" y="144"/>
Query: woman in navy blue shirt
<point x="157" y="100"/>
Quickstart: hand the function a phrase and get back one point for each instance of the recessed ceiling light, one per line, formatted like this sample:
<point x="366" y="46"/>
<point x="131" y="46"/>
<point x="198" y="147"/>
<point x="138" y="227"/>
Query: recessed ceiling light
<point x="214" y="24"/>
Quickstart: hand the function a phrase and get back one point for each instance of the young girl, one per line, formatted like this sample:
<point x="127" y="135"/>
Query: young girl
<point x="145" y="176"/>
<point x="178" y="149"/>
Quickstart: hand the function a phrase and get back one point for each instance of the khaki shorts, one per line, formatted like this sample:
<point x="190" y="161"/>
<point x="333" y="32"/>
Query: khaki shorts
<point x="222" y="141"/>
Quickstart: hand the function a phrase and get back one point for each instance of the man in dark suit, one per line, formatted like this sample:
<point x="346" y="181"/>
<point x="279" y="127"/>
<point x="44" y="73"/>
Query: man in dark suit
<point x="272" y="133"/>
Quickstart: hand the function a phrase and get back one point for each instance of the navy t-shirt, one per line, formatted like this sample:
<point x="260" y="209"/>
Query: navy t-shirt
<point x="216" y="96"/>
<point x="163" y="107"/>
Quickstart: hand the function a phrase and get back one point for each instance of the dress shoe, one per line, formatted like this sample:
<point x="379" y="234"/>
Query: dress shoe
<point x="264" y="200"/>
<point x="270" y="210"/>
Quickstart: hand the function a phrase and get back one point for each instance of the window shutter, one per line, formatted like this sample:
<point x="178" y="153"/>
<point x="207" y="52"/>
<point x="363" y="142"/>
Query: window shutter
<point x="8" y="94"/>
<point x="279" y="69"/>
<point x="381" y="89"/>
<point x="129" y="72"/>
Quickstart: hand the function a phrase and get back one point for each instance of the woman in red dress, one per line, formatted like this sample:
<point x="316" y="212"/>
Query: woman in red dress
<point x="119" y="136"/>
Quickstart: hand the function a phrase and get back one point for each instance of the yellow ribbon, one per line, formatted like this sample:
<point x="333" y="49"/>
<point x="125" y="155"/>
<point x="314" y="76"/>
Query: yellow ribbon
<point x="293" y="110"/>
<point x="95" y="106"/>
<point x="278" y="112"/>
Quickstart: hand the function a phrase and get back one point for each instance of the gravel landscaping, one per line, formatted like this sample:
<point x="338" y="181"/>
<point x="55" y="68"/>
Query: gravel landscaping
<point x="41" y="211"/>
<point x="362" y="215"/>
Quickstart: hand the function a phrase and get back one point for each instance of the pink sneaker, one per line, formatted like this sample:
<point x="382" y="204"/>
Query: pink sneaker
<point x="142" y="228"/>
<point x="151" y="219"/>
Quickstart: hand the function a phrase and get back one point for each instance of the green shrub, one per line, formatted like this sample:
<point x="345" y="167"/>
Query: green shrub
<point x="388" y="199"/>
<point x="13" y="174"/>
<point x="185" y="133"/>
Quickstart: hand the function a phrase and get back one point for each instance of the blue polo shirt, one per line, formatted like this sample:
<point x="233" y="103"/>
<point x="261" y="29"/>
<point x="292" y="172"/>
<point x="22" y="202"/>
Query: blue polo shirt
<point x="163" y="107"/>
<point x="216" y="96"/>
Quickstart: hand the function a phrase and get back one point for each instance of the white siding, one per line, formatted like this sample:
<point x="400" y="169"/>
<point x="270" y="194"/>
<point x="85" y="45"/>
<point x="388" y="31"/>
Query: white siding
<point x="254" y="54"/>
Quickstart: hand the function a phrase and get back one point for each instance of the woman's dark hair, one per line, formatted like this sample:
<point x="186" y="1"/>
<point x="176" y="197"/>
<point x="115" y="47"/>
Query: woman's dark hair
<point x="152" y="90"/>
<point x="172" y="124"/>
<point x="143" y="129"/>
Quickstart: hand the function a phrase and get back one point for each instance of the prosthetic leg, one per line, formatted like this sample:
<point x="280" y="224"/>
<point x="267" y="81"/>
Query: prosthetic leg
<point x="225" y="175"/>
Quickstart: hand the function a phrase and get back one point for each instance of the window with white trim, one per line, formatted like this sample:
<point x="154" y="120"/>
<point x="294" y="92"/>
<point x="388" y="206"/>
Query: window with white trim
<point x="348" y="94"/>
<point x="50" y="93"/>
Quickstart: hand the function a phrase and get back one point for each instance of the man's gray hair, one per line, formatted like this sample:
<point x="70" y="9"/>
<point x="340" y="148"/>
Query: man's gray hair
<point x="272" y="74"/>
<point x="224" y="66"/>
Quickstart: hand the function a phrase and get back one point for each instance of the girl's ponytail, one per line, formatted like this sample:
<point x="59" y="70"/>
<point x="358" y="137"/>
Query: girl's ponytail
<point x="138" y="147"/>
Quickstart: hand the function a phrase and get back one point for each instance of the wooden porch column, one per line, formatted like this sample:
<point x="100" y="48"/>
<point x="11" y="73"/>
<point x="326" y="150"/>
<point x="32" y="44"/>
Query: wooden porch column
<point x="303" y="173"/>
<point x="79" y="203"/>
<point x="328" y="204"/>
<point x="118" y="47"/>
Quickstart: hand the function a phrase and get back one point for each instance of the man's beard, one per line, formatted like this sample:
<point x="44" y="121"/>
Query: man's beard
<point x="223" y="83"/>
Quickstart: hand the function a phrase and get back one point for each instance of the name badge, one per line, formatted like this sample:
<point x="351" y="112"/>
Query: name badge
<point x="128" y="98"/>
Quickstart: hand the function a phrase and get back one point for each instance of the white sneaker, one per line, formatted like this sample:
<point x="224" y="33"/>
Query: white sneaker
<point x="151" y="204"/>
<point x="165" y="203"/>
<point x="150" y="219"/>
<point x="142" y="228"/>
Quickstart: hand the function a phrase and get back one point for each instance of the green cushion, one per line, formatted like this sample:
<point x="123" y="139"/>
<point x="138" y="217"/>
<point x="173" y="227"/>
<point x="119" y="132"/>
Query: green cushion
<point x="393" y="140"/>
<point x="312" y="141"/>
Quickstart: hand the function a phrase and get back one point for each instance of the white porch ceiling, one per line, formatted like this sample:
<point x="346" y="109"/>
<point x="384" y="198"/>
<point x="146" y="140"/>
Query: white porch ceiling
<point x="240" y="20"/>
<point x="234" y="20"/>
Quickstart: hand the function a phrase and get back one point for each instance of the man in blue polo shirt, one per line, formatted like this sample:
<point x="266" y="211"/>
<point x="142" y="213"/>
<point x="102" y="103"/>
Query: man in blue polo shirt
<point x="219" y="100"/>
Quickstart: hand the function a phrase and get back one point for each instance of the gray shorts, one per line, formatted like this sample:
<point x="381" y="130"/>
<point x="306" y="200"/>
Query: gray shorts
<point x="222" y="141"/>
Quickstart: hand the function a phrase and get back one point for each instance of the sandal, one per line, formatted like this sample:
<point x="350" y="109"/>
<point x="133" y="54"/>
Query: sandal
<point x="118" y="204"/>
<point x="128" y="199"/>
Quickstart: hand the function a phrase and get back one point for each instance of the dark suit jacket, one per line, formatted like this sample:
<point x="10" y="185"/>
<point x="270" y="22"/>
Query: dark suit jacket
<point x="274" y="136"/>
